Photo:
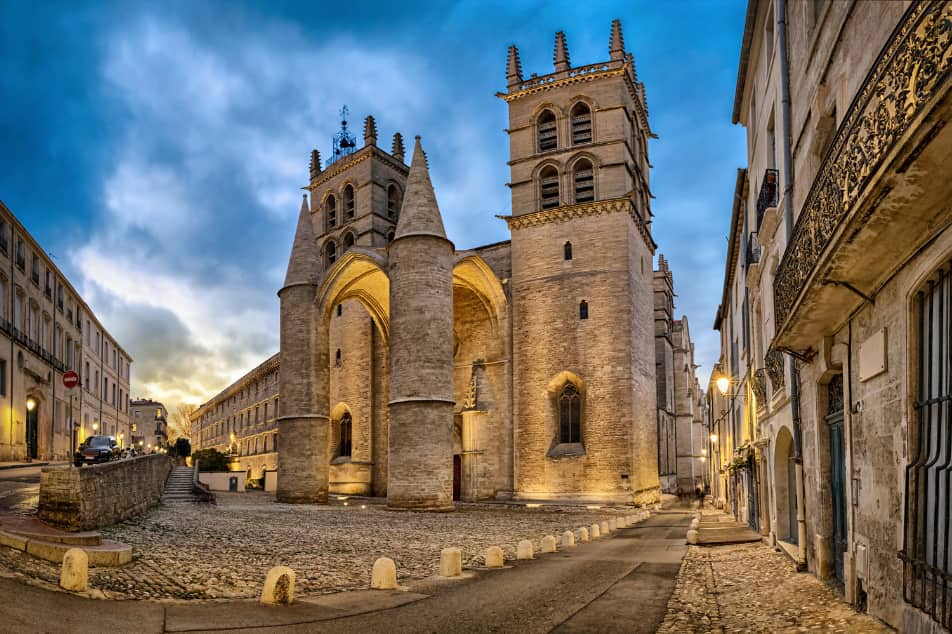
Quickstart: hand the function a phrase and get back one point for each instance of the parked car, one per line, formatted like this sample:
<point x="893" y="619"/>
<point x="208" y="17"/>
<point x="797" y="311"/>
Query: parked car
<point x="96" y="449"/>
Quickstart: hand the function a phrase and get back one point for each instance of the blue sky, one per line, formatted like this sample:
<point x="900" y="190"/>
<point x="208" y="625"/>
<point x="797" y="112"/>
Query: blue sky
<point x="158" y="149"/>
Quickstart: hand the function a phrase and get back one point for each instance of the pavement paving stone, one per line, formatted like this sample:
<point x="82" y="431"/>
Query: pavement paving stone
<point x="753" y="588"/>
<point x="223" y="551"/>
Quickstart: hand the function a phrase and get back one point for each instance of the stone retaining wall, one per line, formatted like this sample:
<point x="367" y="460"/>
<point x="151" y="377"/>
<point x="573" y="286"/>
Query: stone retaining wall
<point x="88" y="498"/>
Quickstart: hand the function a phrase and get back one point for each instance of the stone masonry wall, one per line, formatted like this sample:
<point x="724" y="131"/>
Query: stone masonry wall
<point x="87" y="498"/>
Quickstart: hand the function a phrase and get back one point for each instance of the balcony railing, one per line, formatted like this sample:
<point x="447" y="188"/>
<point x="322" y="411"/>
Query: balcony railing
<point x="769" y="195"/>
<point x="753" y="249"/>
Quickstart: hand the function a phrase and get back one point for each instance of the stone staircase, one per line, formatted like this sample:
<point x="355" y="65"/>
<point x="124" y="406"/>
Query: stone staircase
<point x="178" y="487"/>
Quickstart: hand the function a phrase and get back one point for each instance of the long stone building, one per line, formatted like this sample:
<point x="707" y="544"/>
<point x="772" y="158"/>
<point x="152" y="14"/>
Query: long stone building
<point x="517" y="370"/>
<point x="47" y="329"/>
<point x="833" y="433"/>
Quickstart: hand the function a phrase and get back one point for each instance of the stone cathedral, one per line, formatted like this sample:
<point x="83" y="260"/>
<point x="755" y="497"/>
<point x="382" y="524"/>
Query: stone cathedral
<point x="520" y="370"/>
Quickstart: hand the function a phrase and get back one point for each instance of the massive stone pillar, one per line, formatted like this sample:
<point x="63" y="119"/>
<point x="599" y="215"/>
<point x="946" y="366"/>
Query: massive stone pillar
<point x="303" y="408"/>
<point x="421" y="351"/>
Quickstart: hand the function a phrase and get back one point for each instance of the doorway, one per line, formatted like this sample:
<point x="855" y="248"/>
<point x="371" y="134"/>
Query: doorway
<point x="457" y="475"/>
<point x="834" y="420"/>
<point x="32" y="433"/>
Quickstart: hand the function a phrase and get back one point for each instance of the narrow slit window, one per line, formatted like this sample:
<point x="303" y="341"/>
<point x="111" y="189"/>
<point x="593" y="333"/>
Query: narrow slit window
<point x="337" y="358"/>
<point x="583" y="310"/>
<point x="567" y="251"/>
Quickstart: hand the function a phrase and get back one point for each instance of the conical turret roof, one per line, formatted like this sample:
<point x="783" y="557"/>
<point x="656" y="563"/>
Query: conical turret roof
<point x="419" y="215"/>
<point x="304" y="265"/>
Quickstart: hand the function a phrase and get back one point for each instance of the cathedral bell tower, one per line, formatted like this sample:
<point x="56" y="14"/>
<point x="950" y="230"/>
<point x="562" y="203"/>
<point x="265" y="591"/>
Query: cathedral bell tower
<point x="583" y="349"/>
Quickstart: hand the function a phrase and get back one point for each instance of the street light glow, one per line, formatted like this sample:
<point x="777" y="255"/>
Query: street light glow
<point x="723" y="384"/>
<point x="30" y="404"/>
<point x="713" y="437"/>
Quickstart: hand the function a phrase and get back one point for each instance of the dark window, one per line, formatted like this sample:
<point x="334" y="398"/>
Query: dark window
<point x="330" y="211"/>
<point x="583" y="180"/>
<point x="348" y="203"/>
<point x="21" y="254"/>
<point x="337" y="358"/>
<point x="570" y="414"/>
<point x="330" y="252"/>
<point x="348" y="241"/>
<point x="3" y="235"/>
<point x="567" y="250"/>
<point x="393" y="201"/>
<point x="548" y="137"/>
<point x="346" y="430"/>
<point x="35" y="272"/>
<point x="340" y="309"/>
<point x="59" y="296"/>
<point x="927" y="547"/>
<point x="583" y="310"/>
<point x="390" y="235"/>
<point x="549" y="187"/>
<point x="3" y="378"/>
<point x="581" y="124"/>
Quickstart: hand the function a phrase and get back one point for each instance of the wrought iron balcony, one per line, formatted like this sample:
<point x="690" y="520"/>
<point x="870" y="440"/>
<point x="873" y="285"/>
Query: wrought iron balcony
<point x="753" y="249"/>
<point x="769" y="195"/>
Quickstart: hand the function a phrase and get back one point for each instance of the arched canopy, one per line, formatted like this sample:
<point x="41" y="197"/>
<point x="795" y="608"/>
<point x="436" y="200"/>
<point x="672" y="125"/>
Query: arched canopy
<point x="471" y="272"/>
<point x="359" y="274"/>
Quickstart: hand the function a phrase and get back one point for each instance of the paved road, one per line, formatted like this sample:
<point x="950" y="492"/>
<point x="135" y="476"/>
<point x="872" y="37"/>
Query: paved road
<point x="620" y="584"/>
<point x="20" y="489"/>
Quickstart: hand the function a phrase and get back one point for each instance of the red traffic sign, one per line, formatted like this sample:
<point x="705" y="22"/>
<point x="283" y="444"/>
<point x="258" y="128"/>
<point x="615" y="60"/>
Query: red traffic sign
<point x="70" y="379"/>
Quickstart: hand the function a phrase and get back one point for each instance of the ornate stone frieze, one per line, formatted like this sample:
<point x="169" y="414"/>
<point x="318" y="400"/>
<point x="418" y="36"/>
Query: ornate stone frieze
<point x="905" y="77"/>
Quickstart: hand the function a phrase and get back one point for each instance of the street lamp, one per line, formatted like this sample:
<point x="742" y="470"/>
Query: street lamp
<point x="713" y="437"/>
<point x="30" y="404"/>
<point x="95" y="427"/>
<point x="723" y="384"/>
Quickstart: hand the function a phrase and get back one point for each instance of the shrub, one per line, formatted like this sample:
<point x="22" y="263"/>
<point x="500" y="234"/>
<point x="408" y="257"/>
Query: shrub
<point x="210" y="460"/>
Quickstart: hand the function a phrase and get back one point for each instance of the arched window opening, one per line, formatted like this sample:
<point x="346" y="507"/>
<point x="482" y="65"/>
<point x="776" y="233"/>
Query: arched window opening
<point x="390" y="235"/>
<point x="348" y="240"/>
<point x="548" y="138"/>
<point x="570" y="414"/>
<point x="393" y="202"/>
<point x="549" y="187"/>
<point x="330" y="211"/>
<point x="567" y="250"/>
<point x="348" y="203"/>
<point x="346" y="431"/>
<point x="330" y="252"/>
<point x="340" y="309"/>
<point x="583" y="178"/>
<point x="581" y="124"/>
<point x="337" y="358"/>
<point x="583" y="310"/>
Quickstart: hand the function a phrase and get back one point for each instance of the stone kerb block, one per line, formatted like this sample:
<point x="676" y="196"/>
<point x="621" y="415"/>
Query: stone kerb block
<point x="451" y="562"/>
<point x="383" y="576"/>
<point x="278" y="587"/>
<point x="582" y="534"/>
<point x="603" y="527"/>
<point x="595" y="531"/>
<point x="568" y="539"/>
<point x="548" y="544"/>
<point x="494" y="557"/>
<point x="525" y="550"/>
<point x="75" y="572"/>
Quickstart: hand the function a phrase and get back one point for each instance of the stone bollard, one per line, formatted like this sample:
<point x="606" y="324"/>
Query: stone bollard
<point x="451" y="562"/>
<point x="524" y="550"/>
<point x="548" y="544"/>
<point x="582" y="534"/>
<point x="603" y="527"/>
<point x="623" y="522"/>
<point x="692" y="536"/>
<point x="494" y="558"/>
<point x="694" y="524"/>
<point x="384" y="575"/>
<point x="278" y="587"/>
<point x="613" y="525"/>
<point x="75" y="573"/>
<point x="568" y="539"/>
<point x="595" y="532"/>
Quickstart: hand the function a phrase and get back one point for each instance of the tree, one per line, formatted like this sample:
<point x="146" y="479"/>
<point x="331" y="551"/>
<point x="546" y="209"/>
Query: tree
<point x="180" y="425"/>
<point x="182" y="448"/>
<point x="210" y="460"/>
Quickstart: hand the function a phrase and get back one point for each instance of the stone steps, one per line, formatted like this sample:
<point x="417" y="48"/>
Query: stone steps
<point x="178" y="487"/>
<point x="35" y="538"/>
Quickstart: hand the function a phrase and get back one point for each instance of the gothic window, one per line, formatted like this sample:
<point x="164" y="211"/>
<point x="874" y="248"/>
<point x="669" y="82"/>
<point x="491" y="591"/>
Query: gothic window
<point x="348" y="203"/>
<point x="330" y="252"/>
<point x="348" y="241"/>
<point x="570" y="414"/>
<point x="330" y="211"/>
<point x="546" y="130"/>
<point x="583" y="180"/>
<point x="583" y="310"/>
<point x="581" y="124"/>
<point x="346" y="434"/>
<point x="567" y="250"/>
<point x="393" y="202"/>
<point x="549" y="187"/>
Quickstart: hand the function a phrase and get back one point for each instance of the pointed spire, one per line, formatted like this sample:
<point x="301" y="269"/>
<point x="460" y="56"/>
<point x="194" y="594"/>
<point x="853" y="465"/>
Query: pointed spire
<point x="396" y="150"/>
<point x="304" y="265"/>
<point x="315" y="164"/>
<point x="616" y="47"/>
<point x="561" y="54"/>
<point x="513" y="67"/>
<point x="370" y="131"/>
<point x="419" y="215"/>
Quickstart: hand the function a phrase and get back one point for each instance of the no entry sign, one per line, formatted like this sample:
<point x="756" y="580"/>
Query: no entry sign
<point x="70" y="379"/>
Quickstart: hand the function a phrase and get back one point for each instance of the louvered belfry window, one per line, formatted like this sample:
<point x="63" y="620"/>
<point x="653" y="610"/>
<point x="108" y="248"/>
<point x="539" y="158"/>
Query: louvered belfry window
<point x="583" y="178"/>
<point x="548" y="136"/>
<point x="349" y="203"/>
<point x="549" y="187"/>
<point x="330" y="211"/>
<point x="581" y="124"/>
<point x="926" y="556"/>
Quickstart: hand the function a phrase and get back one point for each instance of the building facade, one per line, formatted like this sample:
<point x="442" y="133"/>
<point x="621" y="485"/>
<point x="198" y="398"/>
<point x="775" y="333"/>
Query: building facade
<point x="833" y="435"/>
<point x="517" y="370"/>
<point x="148" y="424"/>
<point x="47" y="329"/>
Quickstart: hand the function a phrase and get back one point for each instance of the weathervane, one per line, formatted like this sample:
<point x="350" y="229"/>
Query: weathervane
<point x="344" y="141"/>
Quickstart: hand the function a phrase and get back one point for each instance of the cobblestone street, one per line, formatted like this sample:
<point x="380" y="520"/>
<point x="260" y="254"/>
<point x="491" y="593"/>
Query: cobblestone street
<point x="751" y="588"/>
<point x="223" y="551"/>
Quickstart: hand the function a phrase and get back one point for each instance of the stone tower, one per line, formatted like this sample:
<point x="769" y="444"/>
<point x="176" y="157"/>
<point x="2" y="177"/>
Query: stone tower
<point x="583" y="336"/>
<point x="421" y="351"/>
<point x="665" y="371"/>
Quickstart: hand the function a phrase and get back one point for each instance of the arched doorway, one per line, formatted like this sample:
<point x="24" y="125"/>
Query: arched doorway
<point x="785" y="485"/>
